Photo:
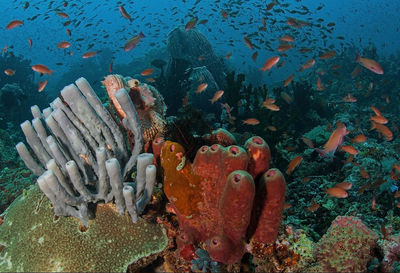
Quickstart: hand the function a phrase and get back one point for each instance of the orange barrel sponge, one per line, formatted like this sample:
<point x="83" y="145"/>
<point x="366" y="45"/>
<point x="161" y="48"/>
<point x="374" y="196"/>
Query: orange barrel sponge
<point x="269" y="206"/>
<point x="259" y="154"/>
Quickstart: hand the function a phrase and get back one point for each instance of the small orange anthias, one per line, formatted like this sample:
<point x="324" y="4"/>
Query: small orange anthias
<point x="226" y="198"/>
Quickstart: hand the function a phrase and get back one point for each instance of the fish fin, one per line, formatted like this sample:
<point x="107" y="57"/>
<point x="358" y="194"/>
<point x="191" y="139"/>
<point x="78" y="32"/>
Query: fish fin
<point x="321" y="152"/>
<point x="357" y="59"/>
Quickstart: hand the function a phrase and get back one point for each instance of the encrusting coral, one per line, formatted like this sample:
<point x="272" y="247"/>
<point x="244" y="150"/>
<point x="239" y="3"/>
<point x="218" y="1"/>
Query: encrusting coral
<point x="346" y="247"/>
<point x="213" y="197"/>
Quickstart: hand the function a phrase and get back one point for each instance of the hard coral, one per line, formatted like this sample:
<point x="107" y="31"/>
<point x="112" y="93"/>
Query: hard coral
<point x="34" y="241"/>
<point x="213" y="197"/>
<point x="346" y="247"/>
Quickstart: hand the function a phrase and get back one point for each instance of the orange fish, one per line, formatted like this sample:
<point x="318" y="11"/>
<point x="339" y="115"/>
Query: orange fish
<point x="314" y="206"/>
<point x="288" y="80"/>
<point x="308" y="64"/>
<point x="30" y="42"/>
<point x="293" y="164"/>
<point x="364" y="173"/>
<point x="40" y="68"/>
<point x="270" y="106"/>
<point x="9" y="72"/>
<point x="320" y="87"/>
<point x="62" y="14"/>
<point x="284" y="47"/>
<point x="248" y="42"/>
<point x="5" y="48"/>
<point x="308" y="142"/>
<point x="335" y="140"/>
<point x="124" y="13"/>
<point x="344" y="185"/>
<point x="254" y="56"/>
<point x="270" y="5"/>
<point x="327" y="55"/>
<point x="89" y="54"/>
<point x="133" y="42"/>
<point x="110" y="66"/>
<point x="379" y="119"/>
<point x="147" y="72"/>
<point x="286" y="97"/>
<point x="272" y="128"/>
<point x="349" y="98"/>
<point x="337" y="192"/>
<point x="369" y="64"/>
<point x="191" y="24"/>
<point x="287" y="38"/>
<point x="228" y="55"/>
<point x="201" y="88"/>
<point x="224" y="14"/>
<point x="349" y="149"/>
<point x="270" y="63"/>
<point x="14" y="24"/>
<point x="63" y="44"/>
<point x="359" y="138"/>
<point x="68" y="32"/>
<point x="376" y="111"/>
<point x="42" y="85"/>
<point x="251" y="121"/>
<point x="296" y="22"/>
<point x="217" y="96"/>
<point x="385" y="131"/>
<point x="150" y="80"/>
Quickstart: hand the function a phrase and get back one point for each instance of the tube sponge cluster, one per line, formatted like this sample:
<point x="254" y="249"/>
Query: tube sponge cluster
<point x="81" y="156"/>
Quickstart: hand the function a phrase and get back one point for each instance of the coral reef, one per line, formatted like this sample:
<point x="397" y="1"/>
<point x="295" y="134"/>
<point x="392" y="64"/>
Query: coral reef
<point x="34" y="240"/>
<point x="346" y="247"/>
<point x="213" y="197"/>
<point x="390" y="250"/>
<point x="191" y="58"/>
<point x="193" y="47"/>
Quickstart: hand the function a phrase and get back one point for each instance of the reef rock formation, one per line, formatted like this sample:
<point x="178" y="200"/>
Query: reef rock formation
<point x="346" y="247"/>
<point x="196" y="50"/>
<point x="33" y="240"/>
<point x="192" y="57"/>
<point x="214" y="197"/>
<point x="148" y="102"/>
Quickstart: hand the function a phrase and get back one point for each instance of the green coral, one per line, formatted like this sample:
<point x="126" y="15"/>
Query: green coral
<point x="304" y="247"/>
<point x="34" y="240"/>
<point x="318" y="134"/>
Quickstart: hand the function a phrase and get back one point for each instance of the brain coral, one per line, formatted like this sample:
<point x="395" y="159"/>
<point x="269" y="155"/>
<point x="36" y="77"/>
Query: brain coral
<point x="33" y="240"/>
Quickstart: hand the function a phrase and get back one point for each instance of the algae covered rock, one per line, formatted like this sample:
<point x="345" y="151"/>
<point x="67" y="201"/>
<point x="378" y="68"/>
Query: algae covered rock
<point x="32" y="239"/>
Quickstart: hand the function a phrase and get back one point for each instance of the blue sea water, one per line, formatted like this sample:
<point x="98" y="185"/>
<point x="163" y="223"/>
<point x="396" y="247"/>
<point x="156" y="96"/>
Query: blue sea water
<point x="359" y="22"/>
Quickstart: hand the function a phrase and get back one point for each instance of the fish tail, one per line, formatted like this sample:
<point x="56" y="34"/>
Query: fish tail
<point x="373" y="126"/>
<point x="141" y="35"/>
<point x="51" y="72"/>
